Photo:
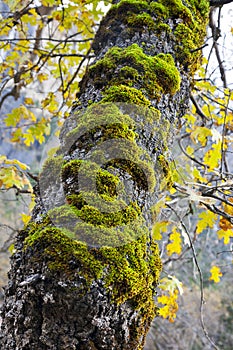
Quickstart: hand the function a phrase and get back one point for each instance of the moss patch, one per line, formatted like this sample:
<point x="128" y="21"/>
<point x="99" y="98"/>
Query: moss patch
<point x="189" y="34"/>
<point x="155" y="74"/>
<point x="129" y="272"/>
<point x="141" y="20"/>
<point x="129" y="6"/>
<point x="127" y="264"/>
<point x="124" y="93"/>
<point x="103" y="118"/>
<point x="133" y="160"/>
<point x="119" y="213"/>
<point x="174" y="8"/>
<point x="52" y="167"/>
<point x="63" y="254"/>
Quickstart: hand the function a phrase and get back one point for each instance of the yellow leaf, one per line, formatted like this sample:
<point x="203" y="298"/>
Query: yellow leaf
<point x="11" y="249"/>
<point x="170" y="307"/>
<point x="189" y="150"/>
<point x="225" y="234"/>
<point x="197" y="175"/>
<point x="172" y="190"/>
<point x="17" y="162"/>
<point x="29" y="139"/>
<point x="66" y="94"/>
<point x="200" y="133"/>
<point x="170" y="284"/>
<point x="208" y="219"/>
<point x="226" y="227"/>
<point x="2" y="159"/>
<point x="215" y="274"/>
<point x="33" y="201"/>
<point x="25" y="218"/>
<point x="175" y="245"/>
<point x="40" y="138"/>
<point x="13" y="118"/>
<point x="42" y="76"/>
<point x="10" y="177"/>
<point x="213" y="156"/>
<point x="16" y="135"/>
<point x="31" y="19"/>
<point x="28" y="101"/>
<point x="158" y="228"/>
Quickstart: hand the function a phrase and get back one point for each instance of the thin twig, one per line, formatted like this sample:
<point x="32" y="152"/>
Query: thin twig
<point x="216" y="34"/>
<point x="198" y="108"/>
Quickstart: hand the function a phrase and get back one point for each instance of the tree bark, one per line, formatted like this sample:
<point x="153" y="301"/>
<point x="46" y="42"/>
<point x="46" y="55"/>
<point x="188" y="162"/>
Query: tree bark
<point x="84" y="272"/>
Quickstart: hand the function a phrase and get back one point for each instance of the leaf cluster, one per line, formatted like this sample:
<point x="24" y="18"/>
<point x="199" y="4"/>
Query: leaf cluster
<point x="44" y="48"/>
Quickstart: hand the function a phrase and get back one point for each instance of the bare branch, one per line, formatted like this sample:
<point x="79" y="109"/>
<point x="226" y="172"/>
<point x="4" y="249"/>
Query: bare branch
<point x="198" y="108"/>
<point x="219" y="2"/>
<point x="8" y="40"/>
<point x="216" y="34"/>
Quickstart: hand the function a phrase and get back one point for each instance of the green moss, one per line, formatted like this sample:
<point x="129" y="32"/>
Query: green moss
<point x="126" y="259"/>
<point x="178" y="9"/>
<point x="128" y="6"/>
<point x="102" y="117"/>
<point x="94" y="209"/>
<point x="132" y="160"/>
<point x="172" y="8"/>
<point x="129" y="272"/>
<point x="202" y="6"/>
<point x="141" y="20"/>
<point x="154" y="16"/>
<point x="167" y="173"/>
<point x="91" y="215"/>
<point x="163" y="27"/>
<point x="142" y="171"/>
<point x="98" y="236"/>
<point x="128" y="73"/>
<point x="167" y="74"/>
<point x="103" y="202"/>
<point x="64" y="216"/>
<point x="51" y="168"/>
<point x="187" y="42"/>
<point x="104" y="182"/>
<point x="159" y="9"/>
<point x="58" y="251"/>
<point x="123" y="93"/>
<point x="156" y="74"/>
<point x="189" y="34"/>
<point x="119" y="248"/>
<point x="108" y="184"/>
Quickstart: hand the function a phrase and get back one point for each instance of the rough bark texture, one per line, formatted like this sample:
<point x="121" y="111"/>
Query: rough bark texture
<point x="85" y="268"/>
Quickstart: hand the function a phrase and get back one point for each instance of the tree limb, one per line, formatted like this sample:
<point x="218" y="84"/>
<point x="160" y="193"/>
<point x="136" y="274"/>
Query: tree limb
<point x="219" y="2"/>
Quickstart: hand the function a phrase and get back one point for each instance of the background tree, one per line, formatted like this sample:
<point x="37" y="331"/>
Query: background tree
<point x="145" y="20"/>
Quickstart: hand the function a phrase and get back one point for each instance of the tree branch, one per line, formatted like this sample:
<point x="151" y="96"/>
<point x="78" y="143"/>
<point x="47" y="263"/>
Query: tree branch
<point x="219" y="2"/>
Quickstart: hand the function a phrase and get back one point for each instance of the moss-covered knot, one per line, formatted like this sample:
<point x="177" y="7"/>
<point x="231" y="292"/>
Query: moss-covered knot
<point x="132" y="67"/>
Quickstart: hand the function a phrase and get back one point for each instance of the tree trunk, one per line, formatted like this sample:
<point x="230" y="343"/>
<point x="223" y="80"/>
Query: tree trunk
<point x="84" y="272"/>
